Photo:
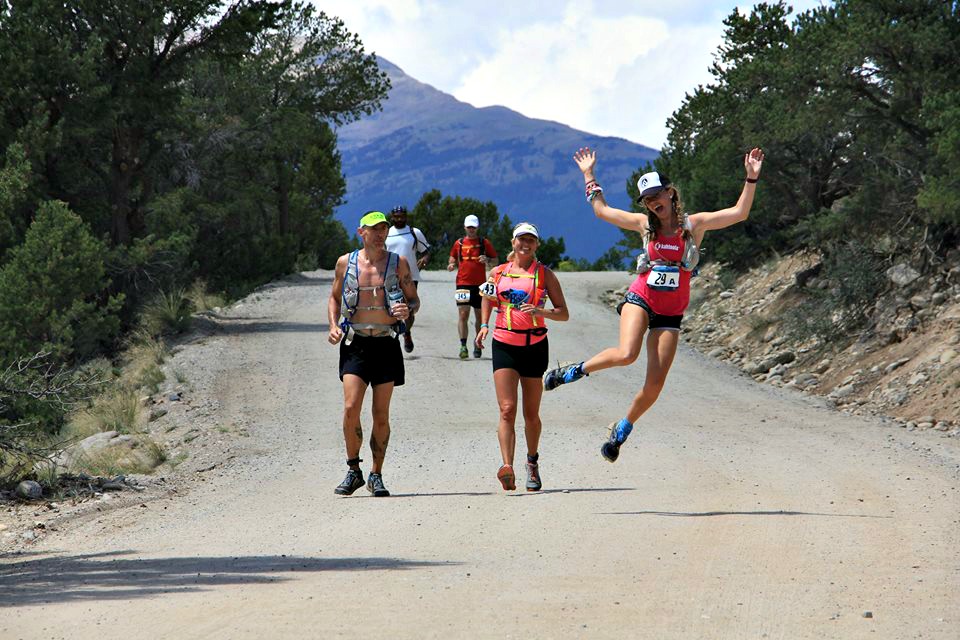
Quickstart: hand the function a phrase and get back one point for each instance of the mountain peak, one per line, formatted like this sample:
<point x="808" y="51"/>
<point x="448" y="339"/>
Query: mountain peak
<point x="426" y="139"/>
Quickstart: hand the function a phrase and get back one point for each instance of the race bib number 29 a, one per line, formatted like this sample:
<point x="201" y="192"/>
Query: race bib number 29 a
<point x="663" y="278"/>
<point x="462" y="295"/>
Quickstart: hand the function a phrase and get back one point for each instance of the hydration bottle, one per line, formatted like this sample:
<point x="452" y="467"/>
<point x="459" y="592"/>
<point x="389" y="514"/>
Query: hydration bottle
<point x="394" y="297"/>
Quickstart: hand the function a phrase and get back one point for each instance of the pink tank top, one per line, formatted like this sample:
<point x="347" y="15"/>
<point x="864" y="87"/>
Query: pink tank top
<point x="516" y="286"/>
<point x="664" y="300"/>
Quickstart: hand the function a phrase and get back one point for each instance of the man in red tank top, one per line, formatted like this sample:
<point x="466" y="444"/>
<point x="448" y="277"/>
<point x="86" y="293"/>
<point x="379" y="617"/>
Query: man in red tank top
<point x="470" y="256"/>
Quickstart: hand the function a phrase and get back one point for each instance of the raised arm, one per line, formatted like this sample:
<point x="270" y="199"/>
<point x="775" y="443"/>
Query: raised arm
<point x="586" y="160"/>
<point x="712" y="220"/>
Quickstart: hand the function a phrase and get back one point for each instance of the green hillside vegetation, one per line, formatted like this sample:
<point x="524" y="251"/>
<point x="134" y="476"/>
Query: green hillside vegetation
<point x="857" y="108"/>
<point x="148" y="147"/>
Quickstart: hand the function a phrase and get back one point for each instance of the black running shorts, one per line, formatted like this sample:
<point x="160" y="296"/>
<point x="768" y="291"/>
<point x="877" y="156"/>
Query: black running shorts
<point x="374" y="360"/>
<point x="475" y="297"/>
<point x="657" y="321"/>
<point x="529" y="361"/>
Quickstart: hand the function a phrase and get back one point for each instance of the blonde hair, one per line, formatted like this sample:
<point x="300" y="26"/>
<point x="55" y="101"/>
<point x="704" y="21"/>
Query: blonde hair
<point x="679" y="213"/>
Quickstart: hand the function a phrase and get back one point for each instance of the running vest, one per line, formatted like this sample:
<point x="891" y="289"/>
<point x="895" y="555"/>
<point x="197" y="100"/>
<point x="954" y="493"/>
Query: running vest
<point x="351" y="296"/>
<point x="483" y="249"/>
<point x="688" y="261"/>
<point x="665" y="284"/>
<point x="516" y="287"/>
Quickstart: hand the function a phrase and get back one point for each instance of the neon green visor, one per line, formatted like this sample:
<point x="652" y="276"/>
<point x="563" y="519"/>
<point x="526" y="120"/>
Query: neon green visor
<point x="372" y="219"/>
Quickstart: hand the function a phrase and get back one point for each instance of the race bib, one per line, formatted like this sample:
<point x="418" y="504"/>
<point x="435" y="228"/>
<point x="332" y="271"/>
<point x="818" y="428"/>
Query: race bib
<point x="664" y="278"/>
<point x="461" y="295"/>
<point x="488" y="290"/>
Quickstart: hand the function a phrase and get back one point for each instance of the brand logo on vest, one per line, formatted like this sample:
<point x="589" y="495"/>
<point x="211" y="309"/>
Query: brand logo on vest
<point x="658" y="246"/>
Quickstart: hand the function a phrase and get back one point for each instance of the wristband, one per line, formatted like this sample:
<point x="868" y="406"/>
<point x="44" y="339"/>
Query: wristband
<point x="752" y="180"/>
<point x="484" y="326"/>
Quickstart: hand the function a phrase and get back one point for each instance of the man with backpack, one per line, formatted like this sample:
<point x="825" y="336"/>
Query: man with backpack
<point x="470" y="257"/>
<point x="371" y="297"/>
<point x="410" y="243"/>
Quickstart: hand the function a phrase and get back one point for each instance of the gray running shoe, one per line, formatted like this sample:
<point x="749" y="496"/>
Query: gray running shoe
<point x="375" y="485"/>
<point x="351" y="483"/>
<point x="533" y="476"/>
<point x="464" y="354"/>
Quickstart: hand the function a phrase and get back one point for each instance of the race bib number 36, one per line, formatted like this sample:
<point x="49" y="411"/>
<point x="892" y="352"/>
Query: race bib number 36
<point x="462" y="295"/>
<point x="662" y="278"/>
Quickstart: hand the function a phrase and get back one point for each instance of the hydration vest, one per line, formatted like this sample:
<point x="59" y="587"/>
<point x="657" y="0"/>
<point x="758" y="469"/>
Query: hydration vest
<point x="505" y="307"/>
<point x="483" y="248"/>
<point x="688" y="262"/>
<point x="351" y="296"/>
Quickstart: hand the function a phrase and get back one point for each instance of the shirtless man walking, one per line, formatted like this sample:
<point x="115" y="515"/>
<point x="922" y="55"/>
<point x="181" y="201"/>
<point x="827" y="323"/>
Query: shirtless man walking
<point x="372" y="295"/>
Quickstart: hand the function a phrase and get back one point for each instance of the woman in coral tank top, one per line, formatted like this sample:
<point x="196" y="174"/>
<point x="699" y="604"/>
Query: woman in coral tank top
<point x="519" y="290"/>
<point x="660" y="294"/>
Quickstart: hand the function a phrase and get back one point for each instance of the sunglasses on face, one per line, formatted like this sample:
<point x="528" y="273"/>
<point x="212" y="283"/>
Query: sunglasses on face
<point x="650" y="199"/>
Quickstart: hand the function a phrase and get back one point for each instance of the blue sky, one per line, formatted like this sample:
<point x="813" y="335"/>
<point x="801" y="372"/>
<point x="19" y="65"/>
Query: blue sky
<point x="610" y="67"/>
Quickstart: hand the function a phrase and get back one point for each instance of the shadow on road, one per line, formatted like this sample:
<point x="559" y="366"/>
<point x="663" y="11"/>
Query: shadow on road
<point x="582" y="490"/>
<point x="56" y="579"/>
<point x="439" y="494"/>
<point x="707" y="514"/>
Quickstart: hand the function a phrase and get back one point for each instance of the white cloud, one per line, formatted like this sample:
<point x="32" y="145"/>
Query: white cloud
<point x="556" y="70"/>
<point x="614" y="67"/>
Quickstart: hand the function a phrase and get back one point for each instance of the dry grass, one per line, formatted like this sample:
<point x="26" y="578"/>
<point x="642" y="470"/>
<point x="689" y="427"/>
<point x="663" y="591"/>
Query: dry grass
<point x="116" y="410"/>
<point x="142" y="359"/>
<point x="168" y="313"/>
<point x="202" y="298"/>
<point x="116" y="461"/>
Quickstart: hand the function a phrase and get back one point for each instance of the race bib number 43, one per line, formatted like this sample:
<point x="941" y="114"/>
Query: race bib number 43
<point x="462" y="295"/>
<point x="663" y="278"/>
<point x="488" y="290"/>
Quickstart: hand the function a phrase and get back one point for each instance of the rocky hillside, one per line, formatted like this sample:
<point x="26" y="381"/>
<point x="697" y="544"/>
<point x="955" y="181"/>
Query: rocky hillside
<point x="904" y="366"/>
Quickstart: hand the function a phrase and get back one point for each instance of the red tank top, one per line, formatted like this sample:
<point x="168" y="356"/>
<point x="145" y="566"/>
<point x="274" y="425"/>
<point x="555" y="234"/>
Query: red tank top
<point x="664" y="302"/>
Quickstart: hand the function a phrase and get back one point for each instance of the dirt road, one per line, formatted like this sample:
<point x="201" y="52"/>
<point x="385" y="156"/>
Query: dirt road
<point x="735" y="511"/>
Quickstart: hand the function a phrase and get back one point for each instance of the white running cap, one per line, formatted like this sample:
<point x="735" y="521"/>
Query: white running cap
<point x="652" y="183"/>
<point x="471" y="221"/>
<point x="525" y="228"/>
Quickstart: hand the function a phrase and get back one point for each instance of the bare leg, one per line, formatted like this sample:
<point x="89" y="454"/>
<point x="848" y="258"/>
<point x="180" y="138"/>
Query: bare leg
<point x="532" y="393"/>
<point x="505" y="381"/>
<point x="661" y="348"/>
<point x="633" y="324"/>
<point x="353" y="391"/>
<point x="380" y="434"/>
<point x="463" y="314"/>
<point x="476" y="322"/>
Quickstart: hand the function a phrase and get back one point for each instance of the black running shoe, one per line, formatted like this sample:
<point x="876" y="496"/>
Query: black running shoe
<point x="533" y="477"/>
<point x="351" y="483"/>
<point x="610" y="450"/>
<point x="408" y="342"/>
<point x="562" y="375"/>
<point x="619" y="431"/>
<point x="477" y="352"/>
<point x="375" y="485"/>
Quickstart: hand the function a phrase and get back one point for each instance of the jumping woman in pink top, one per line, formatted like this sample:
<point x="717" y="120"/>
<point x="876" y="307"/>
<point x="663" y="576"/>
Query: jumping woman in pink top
<point x="519" y="290"/>
<point x="661" y="292"/>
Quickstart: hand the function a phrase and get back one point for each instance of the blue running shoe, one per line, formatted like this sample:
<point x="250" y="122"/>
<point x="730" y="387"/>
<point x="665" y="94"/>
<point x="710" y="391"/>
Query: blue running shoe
<point x="619" y="431"/>
<point x="563" y="375"/>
